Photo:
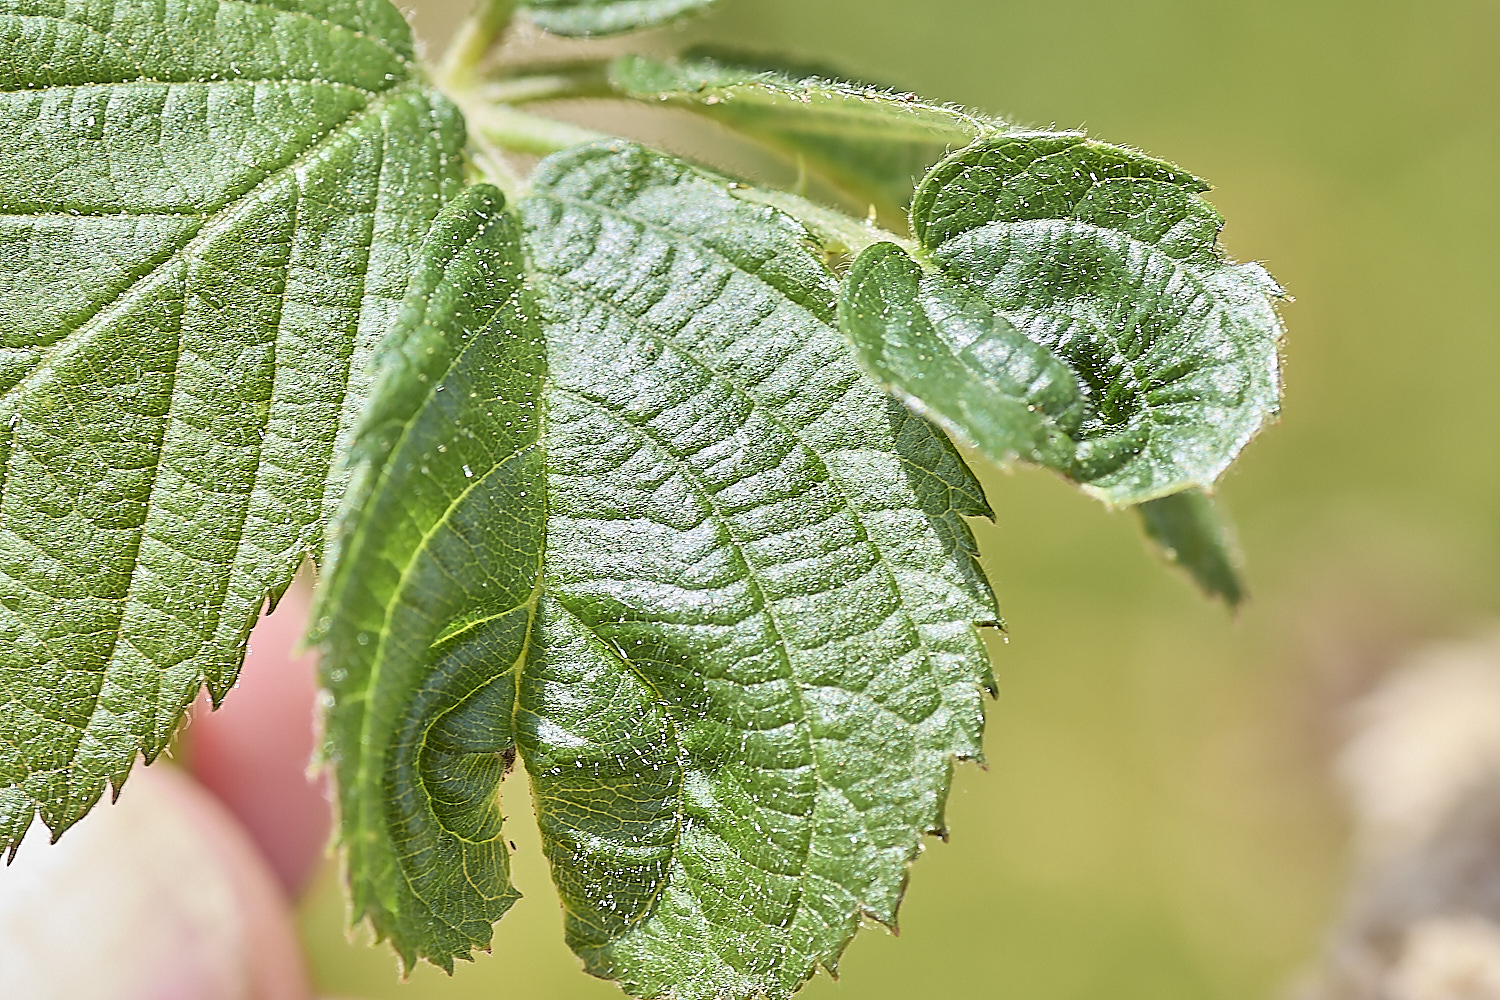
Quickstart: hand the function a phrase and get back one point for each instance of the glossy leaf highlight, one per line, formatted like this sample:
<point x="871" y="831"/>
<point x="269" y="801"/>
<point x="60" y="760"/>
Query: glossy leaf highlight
<point x="1073" y="310"/>
<point x="753" y="656"/>
<point x="208" y="211"/>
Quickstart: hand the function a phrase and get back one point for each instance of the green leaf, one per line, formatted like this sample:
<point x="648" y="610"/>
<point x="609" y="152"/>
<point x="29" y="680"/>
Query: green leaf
<point x="749" y="535"/>
<point x="753" y="656"/>
<point x="872" y="142"/>
<point x="428" y="612"/>
<point x="1194" y="535"/>
<point x="1013" y="400"/>
<point x="1073" y="310"/>
<point x="207" y="210"/>
<point x="607" y="17"/>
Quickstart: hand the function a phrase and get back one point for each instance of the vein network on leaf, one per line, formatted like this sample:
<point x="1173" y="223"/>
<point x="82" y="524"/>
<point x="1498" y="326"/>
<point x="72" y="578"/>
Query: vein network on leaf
<point x="629" y="470"/>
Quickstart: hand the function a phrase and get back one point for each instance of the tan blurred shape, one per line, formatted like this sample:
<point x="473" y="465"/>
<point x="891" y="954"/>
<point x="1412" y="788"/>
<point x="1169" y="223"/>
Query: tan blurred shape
<point x="160" y="896"/>
<point x="1422" y="769"/>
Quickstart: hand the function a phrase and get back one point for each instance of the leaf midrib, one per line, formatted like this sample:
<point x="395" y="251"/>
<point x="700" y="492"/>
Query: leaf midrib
<point x="828" y="477"/>
<point x="767" y="411"/>
<point x="782" y="646"/>
<point x="214" y="223"/>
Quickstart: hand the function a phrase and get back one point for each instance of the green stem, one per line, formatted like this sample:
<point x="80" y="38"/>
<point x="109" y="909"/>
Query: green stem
<point x="476" y="36"/>
<point x="837" y="230"/>
<point x="561" y="83"/>
<point x="522" y="132"/>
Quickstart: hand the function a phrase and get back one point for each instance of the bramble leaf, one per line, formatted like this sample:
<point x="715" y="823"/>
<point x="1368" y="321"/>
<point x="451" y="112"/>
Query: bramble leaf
<point x="428" y="611"/>
<point x="754" y="538"/>
<point x="207" y="210"/>
<point x="753" y="656"/>
<point x="1195" y="536"/>
<point x="607" y="17"/>
<point x="872" y="142"/>
<point x="1073" y="311"/>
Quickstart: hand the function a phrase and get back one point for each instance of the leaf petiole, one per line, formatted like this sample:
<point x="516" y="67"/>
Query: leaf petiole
<point x="523" y="132"/>
<point x="555" y="83"/>
<point x="475" y="37"/>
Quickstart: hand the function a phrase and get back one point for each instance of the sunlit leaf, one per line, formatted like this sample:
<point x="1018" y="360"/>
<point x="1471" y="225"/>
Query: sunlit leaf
<point x="208" y="211"/>
<point x="1072" y="309"/>
<point x="753" y="656"/>
<point x="871" y="141"/>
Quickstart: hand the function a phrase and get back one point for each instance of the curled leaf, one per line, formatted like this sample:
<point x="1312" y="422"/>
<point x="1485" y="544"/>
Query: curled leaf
<point x="872" y="142"/>
<point x="1073" y="310"/>
<point x="428" y="614"/>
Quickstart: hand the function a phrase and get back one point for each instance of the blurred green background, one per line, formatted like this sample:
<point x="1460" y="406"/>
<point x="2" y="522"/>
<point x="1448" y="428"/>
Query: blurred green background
<point x="1156" y="820"/>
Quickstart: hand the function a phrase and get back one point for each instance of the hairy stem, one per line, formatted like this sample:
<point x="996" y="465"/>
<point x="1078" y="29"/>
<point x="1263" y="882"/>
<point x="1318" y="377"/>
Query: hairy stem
<point x="476" y="36"/>
<point x="556" y="83"/>
<point x="522" y="132"/>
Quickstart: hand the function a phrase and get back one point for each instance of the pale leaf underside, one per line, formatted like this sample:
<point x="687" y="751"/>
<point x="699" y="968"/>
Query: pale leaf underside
<point x="607" y="17"/>
<point x="873" y="143"/>
<point x="207" y="211"/>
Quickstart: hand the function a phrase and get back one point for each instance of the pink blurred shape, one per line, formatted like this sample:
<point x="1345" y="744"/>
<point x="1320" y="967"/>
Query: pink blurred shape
<point x="253" y="752"/>
<point x="160" y="896"/>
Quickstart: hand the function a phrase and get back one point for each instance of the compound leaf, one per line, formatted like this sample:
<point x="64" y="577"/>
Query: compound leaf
<point x="428" y="612"/>
<point x="207" y="213"/>
<point x="1073" y="310"/>
<point x="872" y="142"/>
<point x="607" y="17"/>
<point x="752" y="655"/>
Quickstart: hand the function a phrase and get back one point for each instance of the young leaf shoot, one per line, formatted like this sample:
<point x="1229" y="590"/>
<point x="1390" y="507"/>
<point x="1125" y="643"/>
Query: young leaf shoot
<point x="618" y="469"/>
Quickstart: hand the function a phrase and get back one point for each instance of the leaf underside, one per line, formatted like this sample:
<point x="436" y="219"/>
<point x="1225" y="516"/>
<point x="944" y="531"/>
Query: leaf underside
<point x="750" y="656"/>
<point x="1073" y="310"/>
<point x="607" y="17"/>
<point x="207" y="214"/>
<point x="427" y="612"/>
<point x="873" y="143"/>
<point x="1192" y="534"/>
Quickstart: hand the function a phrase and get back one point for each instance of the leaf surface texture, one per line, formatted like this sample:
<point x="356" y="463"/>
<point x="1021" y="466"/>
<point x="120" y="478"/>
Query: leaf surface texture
<point x="428" y="613"/>
<point x="207" y="215"/>
<point x="752" y="655"/>
<point x="1072" y="309"/>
